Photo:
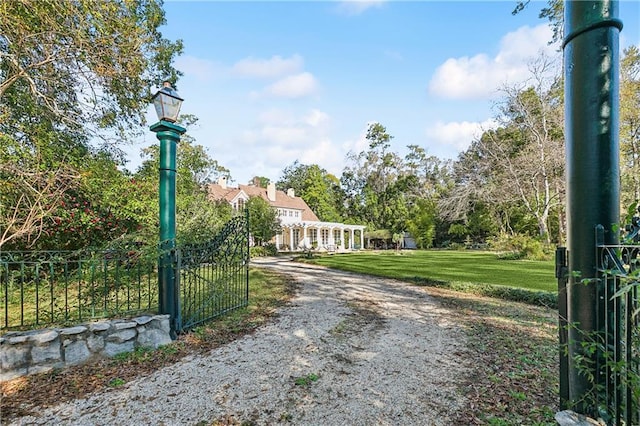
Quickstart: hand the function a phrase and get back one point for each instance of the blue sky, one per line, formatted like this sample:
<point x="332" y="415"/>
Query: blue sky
<point x="274" y="82"/>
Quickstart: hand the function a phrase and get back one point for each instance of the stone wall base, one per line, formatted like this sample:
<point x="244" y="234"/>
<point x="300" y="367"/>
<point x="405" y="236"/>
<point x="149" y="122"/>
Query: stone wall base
<point x="36" y="351"/>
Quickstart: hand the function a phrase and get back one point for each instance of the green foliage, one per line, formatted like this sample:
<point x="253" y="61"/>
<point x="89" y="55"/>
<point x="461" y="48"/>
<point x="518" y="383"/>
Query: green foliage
<point x="75" y="74"/>
<point x="422" y="223"/>
<point x="263" y="220"/>
<point x="264" y="250"/>
<point x="378" y="234"/>
<point x="116" y="382"/>
<point x="260" y="181"/>
<point x="519" y="247"/>
<point x="306" y="381"/>
<point x="83" y="65"/>
<point x="319" y="189"/>
<point x="630" y="125"/>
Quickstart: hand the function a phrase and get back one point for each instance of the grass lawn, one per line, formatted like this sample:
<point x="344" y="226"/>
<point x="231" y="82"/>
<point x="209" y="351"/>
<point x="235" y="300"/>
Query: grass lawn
<point x="477" y="267"/>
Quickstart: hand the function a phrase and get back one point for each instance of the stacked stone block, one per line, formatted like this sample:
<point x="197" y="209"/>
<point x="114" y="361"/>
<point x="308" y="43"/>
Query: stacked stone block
<point x="23" y="353"/>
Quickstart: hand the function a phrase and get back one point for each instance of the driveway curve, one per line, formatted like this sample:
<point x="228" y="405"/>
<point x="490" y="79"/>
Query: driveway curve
<point x="348" y="350"/>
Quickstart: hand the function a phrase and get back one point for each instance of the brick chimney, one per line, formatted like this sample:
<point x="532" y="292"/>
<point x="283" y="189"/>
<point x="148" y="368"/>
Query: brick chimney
<point x="291" y="193"/>
<point x="222" y="181"/>
<point x="271" y="191"/>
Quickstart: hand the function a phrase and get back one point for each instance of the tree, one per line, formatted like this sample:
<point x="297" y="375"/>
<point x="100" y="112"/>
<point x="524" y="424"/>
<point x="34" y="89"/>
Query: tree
<point x="519" y="166"/>
<point x="553" y="12"/>
<point x="319" y="189"/>
<point x="260" y="181"/>
<point x="263" y="220"/>
<point x="84" y="63"/>
<point x="422" y="222"/>
<point x="27" y="200"/>
<point x="630" y="125"/>
<point x="70" y="71"/>
<point x="373" y="191"/>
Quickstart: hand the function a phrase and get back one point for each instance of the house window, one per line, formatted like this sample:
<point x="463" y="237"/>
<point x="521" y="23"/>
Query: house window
<point x="296" y="238"/>
<point x="297" y="214"/>
<point x="240" y="204"/>
<point x="313" y="235"/>
<point x="324" y="234"/>
<point x="290" y="213"/>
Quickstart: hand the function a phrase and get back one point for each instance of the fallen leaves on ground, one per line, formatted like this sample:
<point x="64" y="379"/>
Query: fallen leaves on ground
<point x="513" y="351"/>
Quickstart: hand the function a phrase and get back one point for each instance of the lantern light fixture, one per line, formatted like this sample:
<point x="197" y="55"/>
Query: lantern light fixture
<point x="167" y="103"/>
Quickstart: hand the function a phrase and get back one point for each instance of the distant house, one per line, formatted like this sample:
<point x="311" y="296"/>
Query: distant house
<point x="301" y="228"/>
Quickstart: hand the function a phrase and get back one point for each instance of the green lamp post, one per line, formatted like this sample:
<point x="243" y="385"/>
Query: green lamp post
<point x="167" y="104"/>
<point x="591" y="70"/>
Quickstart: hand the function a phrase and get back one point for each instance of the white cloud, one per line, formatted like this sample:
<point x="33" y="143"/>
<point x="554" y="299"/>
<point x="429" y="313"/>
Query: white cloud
<point x="356" y="7"/>
<point x="293" y="86"/>
<point x="323" y="153"/>
<point x="277" y="127"/>
<point x="274" y="67"/>
<point x="201" y="69"/>
<point x="480" y="76"/>
<point x="316" y="118"/>
<point x="275" y="115"/>
<point x="285" y="135"/>
<point x="455" y="136"/>
<point x="280" y="137"/>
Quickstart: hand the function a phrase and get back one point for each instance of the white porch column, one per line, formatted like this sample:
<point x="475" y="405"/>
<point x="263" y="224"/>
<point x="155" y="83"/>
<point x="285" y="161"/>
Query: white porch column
<point x="341" y="238"/>
<point x="351" y="245"/>
<point x="291" y="239"/>
<point x="278" y="242"/>
<point x="332" y="240"/>
<point x="362" y="239"/>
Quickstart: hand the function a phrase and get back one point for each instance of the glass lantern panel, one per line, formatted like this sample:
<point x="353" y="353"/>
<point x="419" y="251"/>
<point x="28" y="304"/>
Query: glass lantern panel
<point x="167" y="106"/>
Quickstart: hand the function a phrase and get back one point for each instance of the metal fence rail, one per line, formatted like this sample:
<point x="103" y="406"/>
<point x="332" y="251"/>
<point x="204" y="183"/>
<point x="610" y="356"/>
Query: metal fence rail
<point x="619" y="276"/>
<point x="40" y="289"/>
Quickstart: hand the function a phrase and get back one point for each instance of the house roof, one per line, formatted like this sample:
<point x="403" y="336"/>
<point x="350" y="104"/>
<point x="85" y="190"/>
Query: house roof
<point x="282" y="200"/>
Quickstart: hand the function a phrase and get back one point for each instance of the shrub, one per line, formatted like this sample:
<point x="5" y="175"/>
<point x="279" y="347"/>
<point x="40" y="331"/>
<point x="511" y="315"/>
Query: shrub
<point x="257" y="251"/>
<point x="519" y="246"/>
<point x="268" y="249"/>
<point x="456" y="246"/>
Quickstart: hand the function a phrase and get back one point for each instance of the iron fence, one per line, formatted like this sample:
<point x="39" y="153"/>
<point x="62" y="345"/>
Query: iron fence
<point x="619" y="348"/>
<point x="41" y="289"/>
<point x="46" y="288"/>
<point x="213" y="277"/>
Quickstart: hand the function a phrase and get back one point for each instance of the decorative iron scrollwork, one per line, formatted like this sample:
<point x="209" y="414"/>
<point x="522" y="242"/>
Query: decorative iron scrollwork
<point x="214" y="275"/>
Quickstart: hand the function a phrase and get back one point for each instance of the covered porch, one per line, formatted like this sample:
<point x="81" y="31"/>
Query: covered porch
<point x="323" y="236"/>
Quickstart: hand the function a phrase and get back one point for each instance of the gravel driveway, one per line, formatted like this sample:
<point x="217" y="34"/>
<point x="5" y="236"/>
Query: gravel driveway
<point x="348" y="350"/>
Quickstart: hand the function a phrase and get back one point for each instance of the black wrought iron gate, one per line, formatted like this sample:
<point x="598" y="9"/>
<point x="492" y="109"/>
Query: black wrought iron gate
<point x="213" y="277"/>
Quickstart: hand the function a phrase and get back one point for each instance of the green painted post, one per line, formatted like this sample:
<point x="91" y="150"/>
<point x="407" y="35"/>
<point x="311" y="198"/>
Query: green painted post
<point x="169" y="136"/>
<point x="591" y="61"/>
